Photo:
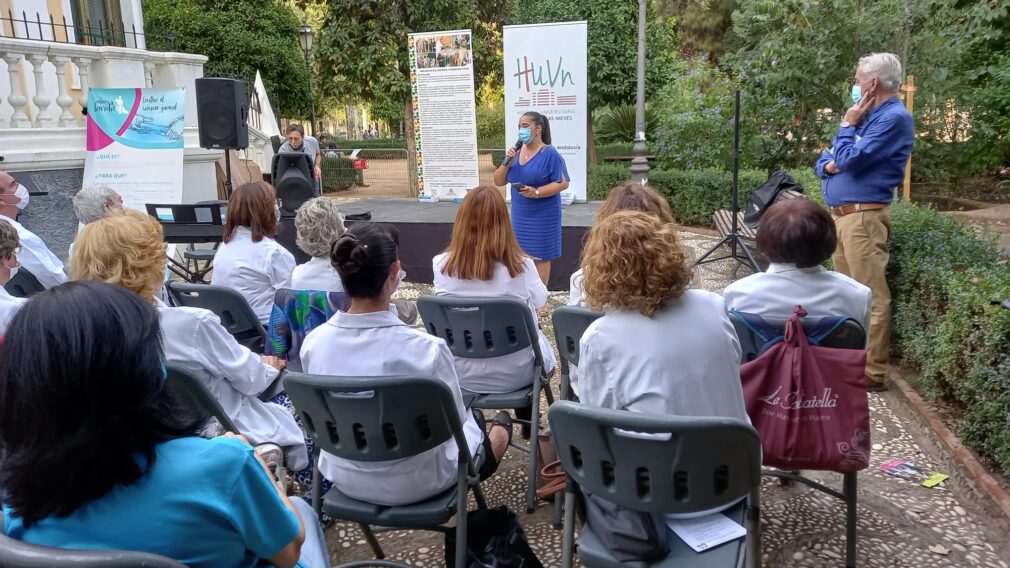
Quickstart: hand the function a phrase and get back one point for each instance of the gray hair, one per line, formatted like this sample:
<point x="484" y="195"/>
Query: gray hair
<point x="886" y="67"/>
<point x="318" y="223"/>
<point x="91" y="203"/>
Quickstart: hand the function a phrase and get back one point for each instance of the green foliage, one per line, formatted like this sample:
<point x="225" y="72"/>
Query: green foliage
<point x="946" y="285"/>
<point x="613" y="43"/>
<point x="491" y="125"/>
<point x="617" y="123"/>
<point x="239" y="37"/>
<point x="702" y="25"/>
<point x="614" y="149"/>
<point x="374" y="143"/>
<point x="390" y="112"/>
<point x="602" y="177"/>
<point x="339" y="174"/>
<point x="990" y="136"/>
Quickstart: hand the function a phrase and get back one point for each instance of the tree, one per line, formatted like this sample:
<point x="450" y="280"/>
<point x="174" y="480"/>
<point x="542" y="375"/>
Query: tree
<point x="239" y="37"/>
<point x="702" y="25"/>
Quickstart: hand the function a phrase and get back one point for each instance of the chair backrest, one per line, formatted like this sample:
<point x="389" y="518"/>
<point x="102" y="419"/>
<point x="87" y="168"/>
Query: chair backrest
<point x="570" y="324"/>
<point x="756" y="331"/>
<point x="24" y="285"/>
<point x="375" y="418"/>
<point x="231" y="307"/>
<point x="17" y="554"/>
<point x="189" y="391"/>
<point x="706" y="462"/>
<point x="480" y="328"/>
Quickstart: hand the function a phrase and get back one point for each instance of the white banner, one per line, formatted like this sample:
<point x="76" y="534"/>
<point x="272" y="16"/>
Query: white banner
<point x="445" y="117"/>
<point x="135" y="144"/>
<point x="546" y="72"/>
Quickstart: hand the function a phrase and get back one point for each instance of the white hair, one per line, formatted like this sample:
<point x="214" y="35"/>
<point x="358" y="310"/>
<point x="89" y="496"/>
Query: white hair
<point x="886" y="67"/>
<point x="318" y="223"/>
<point x="91" y="203"/>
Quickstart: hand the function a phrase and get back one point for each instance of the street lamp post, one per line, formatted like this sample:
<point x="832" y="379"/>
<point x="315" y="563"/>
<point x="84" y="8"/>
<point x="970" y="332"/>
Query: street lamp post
<point x="639" y="164"/>
<point x="305" y="39"/>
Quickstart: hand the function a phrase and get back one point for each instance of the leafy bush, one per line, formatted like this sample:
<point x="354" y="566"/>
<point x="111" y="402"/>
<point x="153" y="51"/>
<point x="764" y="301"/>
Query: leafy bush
<point x="617" y="123"/>
<point x="344" y="144"/>
<point x="339" y="174"/>
<point x="948" y="325"/>
<point x="491" y="125"/>
<point x="603" y="177"/>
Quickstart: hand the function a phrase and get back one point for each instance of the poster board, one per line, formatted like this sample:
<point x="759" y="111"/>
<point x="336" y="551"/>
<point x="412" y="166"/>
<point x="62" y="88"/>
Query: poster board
<point x="546" y="71"/>
<point x="445" y="115"/>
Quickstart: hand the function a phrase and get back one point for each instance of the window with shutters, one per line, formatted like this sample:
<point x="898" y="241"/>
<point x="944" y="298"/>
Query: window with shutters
<point x="99" y="22"/>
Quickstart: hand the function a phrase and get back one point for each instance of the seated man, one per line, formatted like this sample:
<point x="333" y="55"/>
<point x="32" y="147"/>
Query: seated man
<point x="92" y="203"/>
<point x="9" y="305"/>
<point x="35" y="256"/>
<point x="797" y="236"/>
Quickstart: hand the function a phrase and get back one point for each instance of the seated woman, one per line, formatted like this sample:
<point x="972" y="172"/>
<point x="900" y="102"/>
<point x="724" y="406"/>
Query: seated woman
<point x="366" y="259"/>
<point x="484" y="259"/>
<point x="797" y="236"/>
<point x="100" y="456"/>
<point x="659" y="348"/>
<point x="9" y="245"/>
<point x="318" y="223"/>
<point x="249" y="259"/>
<point x="126" y="248"/>
<point x="627" y="197"/>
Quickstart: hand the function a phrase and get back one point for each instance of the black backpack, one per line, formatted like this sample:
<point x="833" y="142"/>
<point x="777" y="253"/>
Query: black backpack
<point x="766" y="194"/>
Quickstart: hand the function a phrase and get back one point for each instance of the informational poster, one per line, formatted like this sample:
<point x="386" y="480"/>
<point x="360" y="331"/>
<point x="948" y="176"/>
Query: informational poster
<point x="135" y="144"/>
<point x="546" y="72"/>
<point x="445" y="116"/>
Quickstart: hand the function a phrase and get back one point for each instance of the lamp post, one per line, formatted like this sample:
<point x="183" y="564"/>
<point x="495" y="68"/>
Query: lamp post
<point x="639" y="164"/>
<point x="305" y="39"/>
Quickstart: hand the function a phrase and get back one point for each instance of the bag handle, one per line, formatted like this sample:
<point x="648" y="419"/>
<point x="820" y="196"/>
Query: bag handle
<point x="794" y="335"/>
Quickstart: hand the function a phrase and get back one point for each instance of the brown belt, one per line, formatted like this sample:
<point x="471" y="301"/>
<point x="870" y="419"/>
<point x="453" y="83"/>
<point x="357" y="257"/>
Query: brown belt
<point x="850" y="208"/>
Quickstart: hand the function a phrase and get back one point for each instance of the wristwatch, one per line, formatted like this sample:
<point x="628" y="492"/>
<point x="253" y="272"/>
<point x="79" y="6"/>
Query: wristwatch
<point x="536" y="191"/>
<point x="845" y="124"/>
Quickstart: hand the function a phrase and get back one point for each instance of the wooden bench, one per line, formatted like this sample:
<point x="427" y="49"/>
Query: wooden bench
<point x="723" y="219"/>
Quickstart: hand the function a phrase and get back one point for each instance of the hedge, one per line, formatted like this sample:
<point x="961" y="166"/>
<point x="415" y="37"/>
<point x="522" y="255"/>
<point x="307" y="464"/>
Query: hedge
<point x="694" y="194"/>
<point x="948" y="324"/>
<point x="339" y="174"/>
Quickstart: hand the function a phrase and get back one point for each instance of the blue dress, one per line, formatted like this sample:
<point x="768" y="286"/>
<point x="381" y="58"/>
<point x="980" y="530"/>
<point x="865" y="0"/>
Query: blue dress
<point x="537" y="222"/>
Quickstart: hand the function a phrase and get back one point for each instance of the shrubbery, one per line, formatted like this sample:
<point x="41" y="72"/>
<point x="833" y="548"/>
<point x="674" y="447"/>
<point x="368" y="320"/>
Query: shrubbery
<point x="946" y="285"/>
<point x="339" y="174"/>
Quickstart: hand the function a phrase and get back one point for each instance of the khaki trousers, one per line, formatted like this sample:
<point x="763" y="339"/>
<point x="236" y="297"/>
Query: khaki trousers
<point x="862" y="255"/>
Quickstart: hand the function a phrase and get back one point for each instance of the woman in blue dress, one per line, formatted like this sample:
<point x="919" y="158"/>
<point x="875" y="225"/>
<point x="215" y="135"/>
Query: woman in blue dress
<point x="537" y="175"/>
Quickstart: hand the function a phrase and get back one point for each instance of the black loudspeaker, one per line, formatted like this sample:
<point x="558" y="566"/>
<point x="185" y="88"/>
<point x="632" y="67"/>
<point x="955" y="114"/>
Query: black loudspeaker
<point x="293" y="180"/>
<point x="221" y="112"/>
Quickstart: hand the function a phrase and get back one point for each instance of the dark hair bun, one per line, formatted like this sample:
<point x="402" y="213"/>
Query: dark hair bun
<point x="348" y="254"/>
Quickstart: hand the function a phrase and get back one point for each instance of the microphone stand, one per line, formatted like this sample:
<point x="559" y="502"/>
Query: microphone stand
<point x="739" y="250"/>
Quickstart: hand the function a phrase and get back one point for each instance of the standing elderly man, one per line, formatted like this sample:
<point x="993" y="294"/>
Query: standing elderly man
<point x="860" y="173"/>
<point x="299" y="142"/>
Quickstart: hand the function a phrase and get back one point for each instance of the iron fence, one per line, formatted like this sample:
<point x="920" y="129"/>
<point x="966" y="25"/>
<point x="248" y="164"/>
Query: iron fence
<point x="47" y="28"/>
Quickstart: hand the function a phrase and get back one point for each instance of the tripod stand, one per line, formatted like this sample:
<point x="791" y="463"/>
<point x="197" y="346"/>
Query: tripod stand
<point x="738" y="248"/>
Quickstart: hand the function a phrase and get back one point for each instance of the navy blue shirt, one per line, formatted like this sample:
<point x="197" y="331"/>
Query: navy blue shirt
<point x="871" y="157"/>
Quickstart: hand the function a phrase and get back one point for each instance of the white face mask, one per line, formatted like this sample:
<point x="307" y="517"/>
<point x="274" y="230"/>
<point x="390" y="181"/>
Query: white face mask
<point x="22" y="192"/>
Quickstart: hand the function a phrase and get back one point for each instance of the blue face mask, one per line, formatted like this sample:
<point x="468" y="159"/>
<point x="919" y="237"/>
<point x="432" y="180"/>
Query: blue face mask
<point x="857" y="93"/>
<point x="525" y="135"/>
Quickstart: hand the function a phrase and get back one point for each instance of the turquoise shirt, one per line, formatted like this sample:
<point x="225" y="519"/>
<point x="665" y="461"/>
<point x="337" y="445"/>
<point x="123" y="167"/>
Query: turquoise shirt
<point x="205" y="503"/>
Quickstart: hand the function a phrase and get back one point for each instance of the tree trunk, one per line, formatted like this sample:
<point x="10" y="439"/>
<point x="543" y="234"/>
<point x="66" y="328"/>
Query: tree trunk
<point x="408" y="121"/>
<point x="590" y="139"/>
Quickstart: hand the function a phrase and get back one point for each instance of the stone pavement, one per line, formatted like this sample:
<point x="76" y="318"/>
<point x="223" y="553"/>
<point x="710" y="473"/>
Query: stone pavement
<point x="900" y="523"/>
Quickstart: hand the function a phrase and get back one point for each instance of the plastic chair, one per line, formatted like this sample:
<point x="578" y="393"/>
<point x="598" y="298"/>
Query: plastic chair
<point x="707" y="462"/>
<point x="24" y="285"/>
<point x="188" y="390"/>
<point x="374" y="419"/>
<point x="849" y="334"/>
<point x="570" y="325"/>
<point x="230" y="306"/>
<point x="482" y="328"/>
<point x="17" y="554"/>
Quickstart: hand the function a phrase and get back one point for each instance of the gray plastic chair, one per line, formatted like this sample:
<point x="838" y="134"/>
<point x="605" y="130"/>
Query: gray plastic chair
<point x="17" y="554"/>
<point x="24" y="285"/>
<point x="707" y="462"/>
<point x="482" y="328"/>
<point x="849" y="335"/>
<point x="188" y="390"/>
<point x="231" y="307"/>
<point x="570" y="325"/>
<point x="372" y="419"/>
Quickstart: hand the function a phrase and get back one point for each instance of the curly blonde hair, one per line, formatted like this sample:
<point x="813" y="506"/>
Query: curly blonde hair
<point x="125" y="248"/>
<point x="634" y="261"/>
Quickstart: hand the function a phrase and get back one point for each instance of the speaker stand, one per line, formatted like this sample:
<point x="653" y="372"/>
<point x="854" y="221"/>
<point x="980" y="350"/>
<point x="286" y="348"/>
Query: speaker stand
<point x="738" y="248"/>
<point x="227" y="174"/>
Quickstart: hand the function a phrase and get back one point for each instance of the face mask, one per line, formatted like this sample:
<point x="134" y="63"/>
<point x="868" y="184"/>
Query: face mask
<point x="857" y="93"/>
<point x="22" y="192"/>
<point x="525" y="135"/>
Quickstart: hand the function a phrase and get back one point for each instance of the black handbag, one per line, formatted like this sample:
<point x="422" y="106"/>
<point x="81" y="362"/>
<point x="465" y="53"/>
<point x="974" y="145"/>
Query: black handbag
<point x="494" y="539"/>
<point x="766" y="194"/>
<point x="628" y="535"/>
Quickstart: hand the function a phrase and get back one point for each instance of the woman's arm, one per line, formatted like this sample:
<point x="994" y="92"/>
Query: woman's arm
<point x="502" y="171"/>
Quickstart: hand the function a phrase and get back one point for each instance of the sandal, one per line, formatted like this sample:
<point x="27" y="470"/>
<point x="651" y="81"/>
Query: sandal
<point x="503" y="419"/>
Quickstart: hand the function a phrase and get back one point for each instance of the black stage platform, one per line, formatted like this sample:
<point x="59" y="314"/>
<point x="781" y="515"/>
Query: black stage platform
<point x="425" y="229"/>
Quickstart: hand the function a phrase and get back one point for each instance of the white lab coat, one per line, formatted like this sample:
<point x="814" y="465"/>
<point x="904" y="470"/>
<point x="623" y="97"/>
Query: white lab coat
<point x="196" y="341"/>
<point x="576" y="297"/>
<point x="684" y="361"/>
<point x="378" y="344"/>
<point x="36" y="257"/>
<point x="316" y="274"/>
<point x="255" y="270"/>
<point x="9" y="306"/>
<point x="511" y="372"/>
<point x="820" y="291"/>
